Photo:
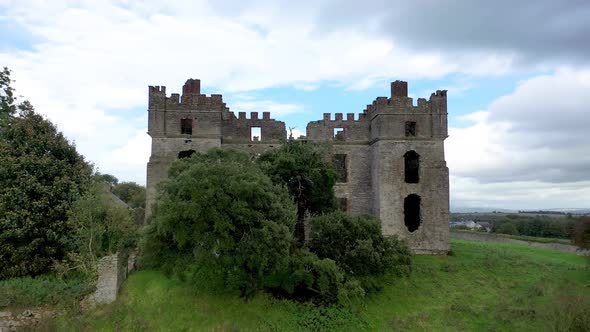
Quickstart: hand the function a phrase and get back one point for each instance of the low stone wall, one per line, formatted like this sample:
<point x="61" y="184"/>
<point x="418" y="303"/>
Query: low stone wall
<point x="112" y="271"/>
<point x="494" y="238"/>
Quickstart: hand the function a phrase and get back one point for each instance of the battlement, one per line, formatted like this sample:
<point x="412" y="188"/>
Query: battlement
<point x="191" y="98"/>
<point x="339" y="117"/>
<point x="253" y="116"/>
<point x="400" y="102"/>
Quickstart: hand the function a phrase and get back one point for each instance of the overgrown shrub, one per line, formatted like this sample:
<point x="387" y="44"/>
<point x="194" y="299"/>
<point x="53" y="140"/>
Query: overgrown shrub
<point x="507" y="228"/>
<point x="357" y="245"/>
<point x="101" y="225"/>
<point x="220" y="221"/>
<point x="581" y="234"/>
<point x="307" y="277"/>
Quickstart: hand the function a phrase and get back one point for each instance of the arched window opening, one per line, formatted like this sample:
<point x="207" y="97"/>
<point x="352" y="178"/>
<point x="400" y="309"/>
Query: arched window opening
<point x="412" y="167"/>
<point x="412" y="212"/>
<point x="186" y="154"/>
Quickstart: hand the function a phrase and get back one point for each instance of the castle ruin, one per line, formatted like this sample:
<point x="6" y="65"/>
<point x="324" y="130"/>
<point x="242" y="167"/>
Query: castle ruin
<point x="390" y="158"/>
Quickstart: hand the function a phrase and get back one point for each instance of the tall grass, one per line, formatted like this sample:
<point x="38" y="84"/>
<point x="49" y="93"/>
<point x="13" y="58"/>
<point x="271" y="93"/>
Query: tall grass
<point x="482" y="287"/>
<point x="43" y="290"/>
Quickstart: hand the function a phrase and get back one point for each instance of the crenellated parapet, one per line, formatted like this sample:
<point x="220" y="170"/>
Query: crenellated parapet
<point x="400" y="102"/>
<point x="239" y="128"/>
<point x="386" y="118"/>
<point x="191" y="99"/>
<point x="340" y="128"/>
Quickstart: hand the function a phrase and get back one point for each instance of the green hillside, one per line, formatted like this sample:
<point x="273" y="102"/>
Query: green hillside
<point x="481" y="286"/>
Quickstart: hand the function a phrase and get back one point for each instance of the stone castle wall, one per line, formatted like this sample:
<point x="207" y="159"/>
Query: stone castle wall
<point x="371" y="146"/>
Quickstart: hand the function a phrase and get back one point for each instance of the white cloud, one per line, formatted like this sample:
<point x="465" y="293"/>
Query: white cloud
<point x="90" y="69"/>
<point x="129" y="161"/>
<point x="89" y="74"/>
<point x="529" y="147"/>
<point x="296" y="133"/>
<point x="277" y="110"/>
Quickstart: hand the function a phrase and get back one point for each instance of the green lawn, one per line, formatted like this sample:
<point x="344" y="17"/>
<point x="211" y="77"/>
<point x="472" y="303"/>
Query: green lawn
<point x="521" y="237"/>
<point x="481" y="286"/>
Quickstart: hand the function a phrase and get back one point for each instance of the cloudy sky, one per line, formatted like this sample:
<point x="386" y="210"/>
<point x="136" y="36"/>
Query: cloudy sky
<point x="518" y="75"/>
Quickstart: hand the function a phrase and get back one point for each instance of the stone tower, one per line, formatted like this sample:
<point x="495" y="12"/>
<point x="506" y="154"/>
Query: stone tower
<point x="194" y="122"/>
<point x="392" y="165"/>
<point x="390" y="158"/>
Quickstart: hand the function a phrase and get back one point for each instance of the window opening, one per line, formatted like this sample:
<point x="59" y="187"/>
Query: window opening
<point x="339" y="161"/>
<point x="255" y="134"/>
<point x="412" y="167"/>
<point x="412" y="212"/>
<point x="343" y="202"/>
<point x="186" y="154"/>
<point x="410" y="128"/>
<point x="339" y="134"/>
<point x="186" y="126"/>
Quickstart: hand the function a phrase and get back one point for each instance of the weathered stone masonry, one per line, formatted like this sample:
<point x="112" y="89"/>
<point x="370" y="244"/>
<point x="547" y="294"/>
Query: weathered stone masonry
<point x="391" y="155"/>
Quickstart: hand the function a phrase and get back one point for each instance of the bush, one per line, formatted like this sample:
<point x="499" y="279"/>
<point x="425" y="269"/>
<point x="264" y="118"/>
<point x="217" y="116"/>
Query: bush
<point x="581" y="234"/>
<point x="101" y="226"/>
<point x="307" y="277"/>
<point x="507" y="228"/>
<point x="221" y="222"/>
<point x="357" y="245"/>
<point x="537" y="227"/>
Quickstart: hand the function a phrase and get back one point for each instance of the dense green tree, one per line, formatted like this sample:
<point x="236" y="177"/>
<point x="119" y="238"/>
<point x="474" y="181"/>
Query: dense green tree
<point x="41" y="175"/>
<point x="302" y="168"/>
<point x="221" y="221"/>
<point x="130" y="193"/>
<point x="357" y="245"/>
<point x="110" y="179"/>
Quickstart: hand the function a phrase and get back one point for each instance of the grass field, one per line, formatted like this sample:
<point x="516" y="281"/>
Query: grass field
<point x="521" y="237"/>
<point x="481" y="286"/>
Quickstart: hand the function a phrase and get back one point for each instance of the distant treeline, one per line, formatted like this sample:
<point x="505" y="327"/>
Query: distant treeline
<point x="543" y="212"/>
<point x="538" y="227"/>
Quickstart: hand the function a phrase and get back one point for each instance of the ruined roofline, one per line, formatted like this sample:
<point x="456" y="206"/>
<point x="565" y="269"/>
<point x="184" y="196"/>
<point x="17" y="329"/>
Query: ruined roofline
<point x="350" y="117"/>
<point x="193" y="100"/>
<point x="253" y="116"/>
<point x="400" y="101"/>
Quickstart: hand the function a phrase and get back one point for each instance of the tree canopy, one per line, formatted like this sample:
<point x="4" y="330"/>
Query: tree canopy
<point x="219" y="219"/>
<point x="131" y="193"/>
<point x="302" y="168"/>
<point x="41" y="175"/>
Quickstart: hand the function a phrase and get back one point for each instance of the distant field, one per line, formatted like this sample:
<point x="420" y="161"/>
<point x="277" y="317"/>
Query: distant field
<point x="522" y="237"/>
<point x="482" y="286"/>
<point x="484" y="216"/>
